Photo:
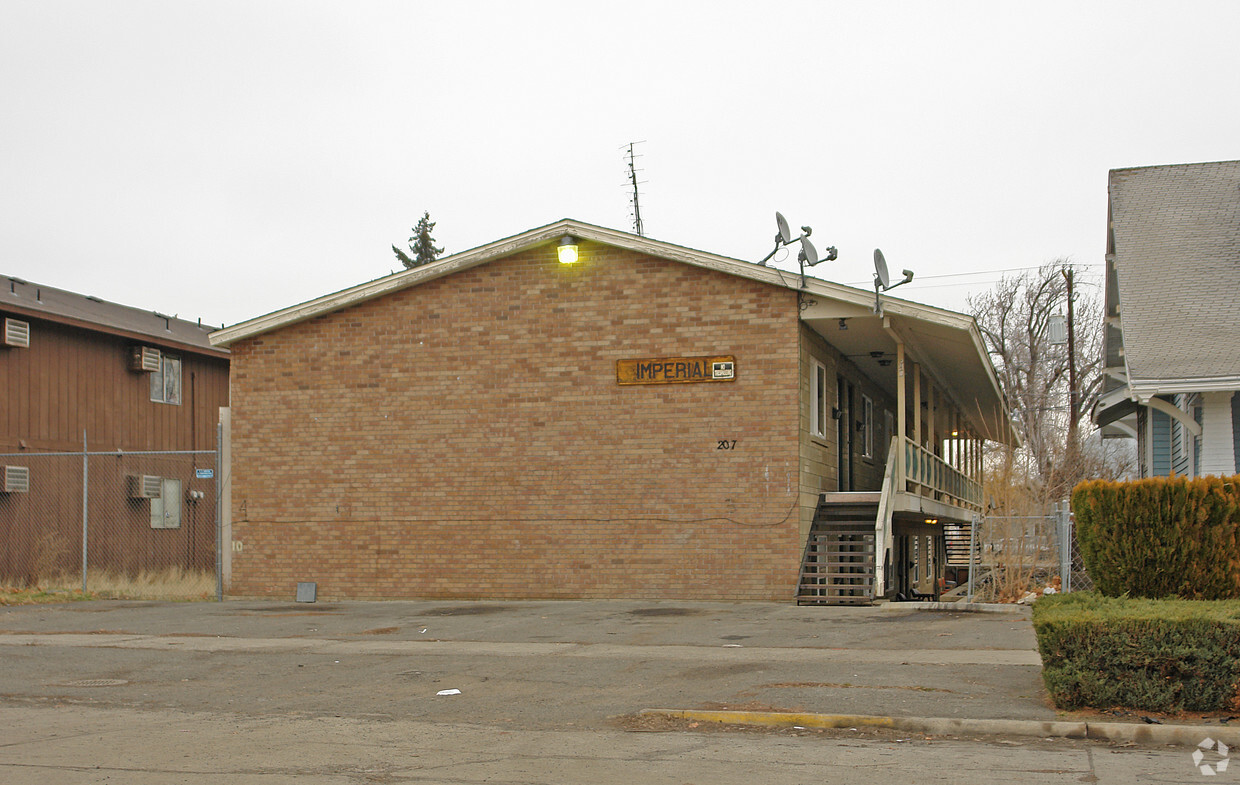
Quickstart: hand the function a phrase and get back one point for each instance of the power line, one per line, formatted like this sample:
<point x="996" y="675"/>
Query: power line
<point x="978" y="272"/>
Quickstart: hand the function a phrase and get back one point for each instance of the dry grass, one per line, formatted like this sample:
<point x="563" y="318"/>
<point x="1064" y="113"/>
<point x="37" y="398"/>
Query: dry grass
<point x="171" y="584"/>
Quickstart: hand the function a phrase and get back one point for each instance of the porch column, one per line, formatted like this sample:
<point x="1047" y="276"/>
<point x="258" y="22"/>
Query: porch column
<point x="901" y="415"/>
<point x="917" y="404"/>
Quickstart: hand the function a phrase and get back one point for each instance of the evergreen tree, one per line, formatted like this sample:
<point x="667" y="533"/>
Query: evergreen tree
<point x="422" y="248"/>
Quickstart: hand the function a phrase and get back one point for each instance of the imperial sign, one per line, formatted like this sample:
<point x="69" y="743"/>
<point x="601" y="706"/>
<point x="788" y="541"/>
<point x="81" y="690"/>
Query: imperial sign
<point x="676" y="370"/>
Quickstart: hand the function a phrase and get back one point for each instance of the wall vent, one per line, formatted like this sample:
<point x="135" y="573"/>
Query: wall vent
<point x="144" y="486"/>
<point x="16" y="332"/>
<point x="144" y="359"/>
<point x="16" y="479"/>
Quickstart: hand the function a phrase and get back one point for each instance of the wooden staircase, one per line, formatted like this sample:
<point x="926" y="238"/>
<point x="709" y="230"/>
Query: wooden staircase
<point x="957" y="536"/>
<point x="837" y="567"/>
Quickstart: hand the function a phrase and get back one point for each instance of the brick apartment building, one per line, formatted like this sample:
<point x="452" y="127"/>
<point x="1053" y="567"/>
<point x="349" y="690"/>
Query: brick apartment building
<point x="650" y="421"/>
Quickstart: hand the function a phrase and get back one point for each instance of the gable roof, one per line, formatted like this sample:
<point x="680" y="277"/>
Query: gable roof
<point x="546" y="234"/>
<point x="25" y="299"/>
<point x="948" y="340"/>
<point x="1175" y="251"/>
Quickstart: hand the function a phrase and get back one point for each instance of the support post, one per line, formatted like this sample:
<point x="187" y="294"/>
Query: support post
<point x="901" y="420"/>
<point x="1065" y="545"/>
<point x="219" y="519"/>
<point x="85" y="506"/>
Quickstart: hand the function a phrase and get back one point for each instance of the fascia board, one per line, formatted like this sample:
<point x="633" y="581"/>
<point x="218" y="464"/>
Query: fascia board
<point x="1145" y="389"/>
<point x="381" y="286"/>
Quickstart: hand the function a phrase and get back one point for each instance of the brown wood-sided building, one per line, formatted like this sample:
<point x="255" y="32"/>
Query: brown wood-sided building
<point x="648" y="421"/>
<point x="77" y="372"/>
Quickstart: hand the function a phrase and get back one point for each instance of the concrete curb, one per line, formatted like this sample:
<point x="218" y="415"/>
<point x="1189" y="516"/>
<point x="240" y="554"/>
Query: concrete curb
<point x="1187" y="735"/>
<point x="960" y="607"/>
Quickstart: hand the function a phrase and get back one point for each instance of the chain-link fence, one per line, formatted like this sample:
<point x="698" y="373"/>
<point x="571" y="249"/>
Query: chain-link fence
<point x="133" y="524"/>
<point x="1014" y="555"/>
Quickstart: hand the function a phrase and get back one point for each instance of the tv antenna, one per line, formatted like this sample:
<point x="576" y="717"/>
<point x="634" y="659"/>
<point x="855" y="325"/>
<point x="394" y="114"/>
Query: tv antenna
<point x="633" y="170"/>
<point x="882" y="279"/>
<point x="807" y="256"/>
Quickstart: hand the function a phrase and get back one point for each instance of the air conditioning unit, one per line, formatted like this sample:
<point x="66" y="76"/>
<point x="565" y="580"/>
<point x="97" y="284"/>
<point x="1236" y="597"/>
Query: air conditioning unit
<point x="144" y="486"/>
<point x="16" y="333"/>
<point x="16" y="479"/>
<point x="144" y="359"/>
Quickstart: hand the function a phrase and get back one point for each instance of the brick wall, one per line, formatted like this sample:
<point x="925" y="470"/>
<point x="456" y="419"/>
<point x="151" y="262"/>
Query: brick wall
<point x="466" y="438"/>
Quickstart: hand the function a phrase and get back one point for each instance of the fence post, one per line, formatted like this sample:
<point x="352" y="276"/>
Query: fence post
<point x="219" y="520"/>
<point x="972" y="554"/>
<point x="1065" y="546"/>
<point x="85" y="505"/>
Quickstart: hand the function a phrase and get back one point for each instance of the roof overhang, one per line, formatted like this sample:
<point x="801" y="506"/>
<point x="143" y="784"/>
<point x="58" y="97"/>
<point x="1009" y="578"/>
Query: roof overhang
<point x="948" y="346"/>
<point x="1145" y="389"/>
<point x="165" y="342"/>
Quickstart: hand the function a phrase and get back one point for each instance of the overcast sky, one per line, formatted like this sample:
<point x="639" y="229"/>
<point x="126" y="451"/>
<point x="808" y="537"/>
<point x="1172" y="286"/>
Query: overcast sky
<point x="221" y="160"/>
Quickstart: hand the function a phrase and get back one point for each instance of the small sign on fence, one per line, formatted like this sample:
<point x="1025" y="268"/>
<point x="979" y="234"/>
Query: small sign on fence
<point x="204" y="474"/>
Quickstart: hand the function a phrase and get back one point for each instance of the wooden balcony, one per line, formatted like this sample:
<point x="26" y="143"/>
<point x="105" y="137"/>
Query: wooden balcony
<point x="924" y="474"/>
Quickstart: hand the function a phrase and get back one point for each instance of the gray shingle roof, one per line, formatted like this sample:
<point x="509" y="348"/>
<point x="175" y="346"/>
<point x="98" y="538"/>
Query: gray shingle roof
<point x="24" y="298"/>
<point x="1177" y="260"/>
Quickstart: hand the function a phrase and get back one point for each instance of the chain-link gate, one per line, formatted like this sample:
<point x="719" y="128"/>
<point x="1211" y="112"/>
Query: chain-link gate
<point x="1071" y="564"/>
<point x="132" y="524"/>
<point x="1013" y="555"/>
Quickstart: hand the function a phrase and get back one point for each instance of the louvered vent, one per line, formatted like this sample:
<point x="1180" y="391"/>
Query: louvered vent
<point x="16" y="333"/>
<point x="143" y="486"/>
<point x="16" y="479"/>
<point x="144" y="359"/>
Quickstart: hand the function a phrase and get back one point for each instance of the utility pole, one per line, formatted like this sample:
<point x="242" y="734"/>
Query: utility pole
<point x="1073" y="404"/>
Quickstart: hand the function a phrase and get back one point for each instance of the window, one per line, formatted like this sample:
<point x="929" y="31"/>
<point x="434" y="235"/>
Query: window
<point x="867" y="425"/>
<point x="166" y="382"/>
<point x="818" y="399"/>
<point x="166" y="508"/>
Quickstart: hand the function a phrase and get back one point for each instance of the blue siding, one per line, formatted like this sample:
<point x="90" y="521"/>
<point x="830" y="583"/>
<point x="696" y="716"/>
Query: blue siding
<point x="1181" y="441"/>
<point x="1162" y="444"/>
<point x="1235" y="427"/>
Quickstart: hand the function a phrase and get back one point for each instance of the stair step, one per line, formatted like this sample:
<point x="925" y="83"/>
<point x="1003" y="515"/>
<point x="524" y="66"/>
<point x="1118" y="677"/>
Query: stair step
<point x="838" y="567"/>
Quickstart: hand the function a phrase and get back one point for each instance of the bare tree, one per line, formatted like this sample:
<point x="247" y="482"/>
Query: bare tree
<point x="1015" y="320"/>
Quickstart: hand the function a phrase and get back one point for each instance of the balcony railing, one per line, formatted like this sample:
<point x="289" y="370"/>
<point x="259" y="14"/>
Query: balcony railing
<point x="932" y="477"/>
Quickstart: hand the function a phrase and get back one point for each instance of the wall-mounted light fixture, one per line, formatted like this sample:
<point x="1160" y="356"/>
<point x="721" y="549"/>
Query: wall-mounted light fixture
<point x="844" y="324"/>
<point x="567" y="249"/>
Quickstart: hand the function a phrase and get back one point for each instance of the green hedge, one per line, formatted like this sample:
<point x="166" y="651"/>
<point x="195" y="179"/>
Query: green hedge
<point x="1154" y="655"/>
<point x="1161" y="537"/>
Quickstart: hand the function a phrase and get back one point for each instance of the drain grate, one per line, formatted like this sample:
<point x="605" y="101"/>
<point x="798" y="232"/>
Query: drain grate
<point x="93" y="683"/>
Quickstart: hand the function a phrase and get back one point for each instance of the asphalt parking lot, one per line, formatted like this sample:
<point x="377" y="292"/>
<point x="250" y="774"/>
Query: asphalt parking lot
<point x="276" y="692"/>
<point x="544" y="664"/>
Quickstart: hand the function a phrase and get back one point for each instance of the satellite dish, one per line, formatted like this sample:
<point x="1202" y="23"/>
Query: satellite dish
<point x="785" y="233"/>
<point x="880" y="270"/>
<point x="809" y="254"/>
